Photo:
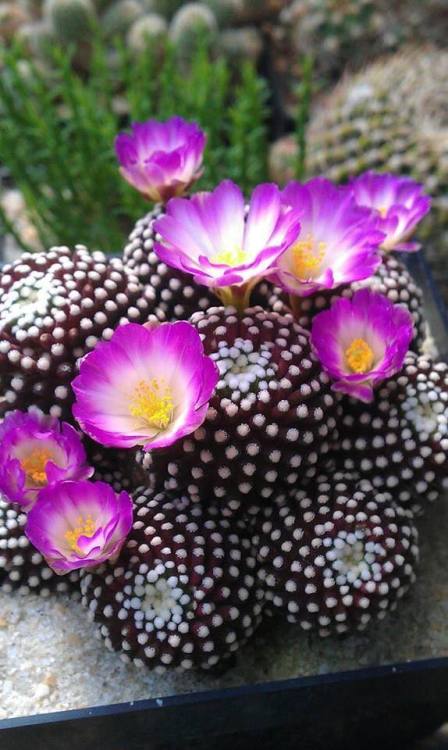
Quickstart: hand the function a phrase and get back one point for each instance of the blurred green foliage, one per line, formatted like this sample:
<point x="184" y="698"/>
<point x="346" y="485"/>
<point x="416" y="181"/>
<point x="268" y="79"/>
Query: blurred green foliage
<point x="58" y="129"/>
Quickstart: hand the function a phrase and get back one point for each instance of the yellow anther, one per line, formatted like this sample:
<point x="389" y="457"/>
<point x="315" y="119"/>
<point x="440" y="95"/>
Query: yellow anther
<point x="307" y="257"/>
<point x="359" y="356"/>
<point x="234" y="257"/>
<point x="84" y="527"/>
<point x="153" y="403"/>
<point x="34" y="465"/>
<point x="383" y="212"/>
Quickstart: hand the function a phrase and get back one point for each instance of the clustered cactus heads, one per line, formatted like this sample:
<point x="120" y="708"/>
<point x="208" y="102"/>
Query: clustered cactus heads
<point x="227" y="26"/>
<point x="392" y="116"/>
<point x="70" y="20"/>
<point x="389" y="117"/>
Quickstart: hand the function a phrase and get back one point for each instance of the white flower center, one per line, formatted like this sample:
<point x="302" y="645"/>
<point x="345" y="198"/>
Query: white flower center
<point x="428" y="412"/>
<point x="242" y="369"/>
<point x="162" y="601"/>
<point x="352" y="558"/>
<point x="27" y="299"/>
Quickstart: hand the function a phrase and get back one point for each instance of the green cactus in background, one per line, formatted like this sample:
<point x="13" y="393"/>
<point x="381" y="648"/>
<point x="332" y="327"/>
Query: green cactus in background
<point x="165" y="8"/>
<point x="70" y="20"/>
<point x="225" y="11"/>
<point x="148" y="29"/>
<point x="393" y="117"/>
<point x="236" y="45"/>
<point x="119" y="17"/>
<point x="194" y="24"/>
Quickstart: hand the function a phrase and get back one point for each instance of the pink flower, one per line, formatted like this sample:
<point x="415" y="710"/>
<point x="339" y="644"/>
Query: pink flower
<point x="79" y="524"/>
<point x="362" y="341"/>
<point x="214" y="238"/>
<point x="399" y="203"/>
<point x="145" y="386"/>
<point x="338" y="241"/>
<point x="37" y="451"/>
<point x="161" y="159"/>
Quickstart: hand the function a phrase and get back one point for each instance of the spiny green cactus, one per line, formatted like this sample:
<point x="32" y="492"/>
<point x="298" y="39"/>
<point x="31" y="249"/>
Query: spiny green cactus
<point x="165" y="8"/>
<point x="241" y="44"/>
<point x="391" y="117"/>
<point x="149" y="29"/>
<point x="193" y="24"/>
<point x="71" y="20"/>
<point x="225" y="11"/>
<point x="119" y="17"/>
<point x="342" y="34"/>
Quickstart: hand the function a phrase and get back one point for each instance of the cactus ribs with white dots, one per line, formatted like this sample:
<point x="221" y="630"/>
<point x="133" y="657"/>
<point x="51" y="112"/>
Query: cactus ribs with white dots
<point x="184" y="591"/>
<point x="54" y="308"/>
<point x="271" y="416"/>
<point x="22" y="567"/>
<point x="400" y="441"/>
<point x="336" y="556"/>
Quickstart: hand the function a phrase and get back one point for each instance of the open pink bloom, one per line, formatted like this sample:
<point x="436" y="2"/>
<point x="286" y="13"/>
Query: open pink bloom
<point x="79" y="524"/>
<point x="161" y="159"/>
<point x="338" y="241"/>
<point x="362" y="341"/>
<point x="400" y="203"/>
<point x="37" y="451"/>
<point x="145" y="386"/>
<point x="212" y="236"/>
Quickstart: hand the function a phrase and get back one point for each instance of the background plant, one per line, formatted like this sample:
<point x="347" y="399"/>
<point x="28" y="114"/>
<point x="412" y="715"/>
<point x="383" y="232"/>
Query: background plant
<point x="58" y="128"/>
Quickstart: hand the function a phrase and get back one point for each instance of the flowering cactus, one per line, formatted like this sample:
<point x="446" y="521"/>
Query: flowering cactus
<point x="37" y="451"/>
<point x="212" y="237"/>
<point x="79" y="524"/>
<point x="338" y="241"/>
<point x="161" y="159"/>
<point x="145" y="386"/>
<point x="400" y="204"/>
<point x="362" y="341"/>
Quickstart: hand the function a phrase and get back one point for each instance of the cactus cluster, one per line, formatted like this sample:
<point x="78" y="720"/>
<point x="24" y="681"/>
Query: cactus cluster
<point x="228" y="27"/>
<point x="392" y="116"/>
<point x="347" y="34"/>
<point x="337" y="34"/>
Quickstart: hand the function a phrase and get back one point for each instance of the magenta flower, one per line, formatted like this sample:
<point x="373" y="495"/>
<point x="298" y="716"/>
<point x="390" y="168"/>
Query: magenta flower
<point x="362" y="341"/>
<point x="79" y="524"/>
<point x="145" y="386"/>
<point x="161" y="159"/>
<point x="338" y="241"/>
<point x="399" y="202"/>
<point x="37" y="451"/>
<point x="214" y="238"/>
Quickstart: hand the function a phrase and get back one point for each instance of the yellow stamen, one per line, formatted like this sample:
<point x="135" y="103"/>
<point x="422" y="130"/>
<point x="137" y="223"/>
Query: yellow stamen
<point x="359" y="356"/>
<point x="234" y="257"/>
<point x="307" y="257"/>
<point x="34" y="466"/>
<point x="153" y="403"/>
<point x="383" y="212"/>
<point x="85" y="527"/>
